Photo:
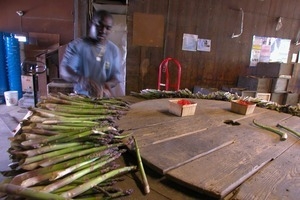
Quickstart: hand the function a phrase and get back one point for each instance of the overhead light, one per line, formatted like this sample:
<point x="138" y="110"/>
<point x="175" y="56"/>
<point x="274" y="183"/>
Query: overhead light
<point x="21" y="38"/>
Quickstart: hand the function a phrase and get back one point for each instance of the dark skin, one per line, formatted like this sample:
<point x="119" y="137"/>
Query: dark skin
<point x="100" y="28"/>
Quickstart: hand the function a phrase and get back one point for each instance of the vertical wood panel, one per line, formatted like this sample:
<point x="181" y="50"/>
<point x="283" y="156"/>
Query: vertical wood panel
<point x="39" y="16"/>
<point x="215" y="20"/>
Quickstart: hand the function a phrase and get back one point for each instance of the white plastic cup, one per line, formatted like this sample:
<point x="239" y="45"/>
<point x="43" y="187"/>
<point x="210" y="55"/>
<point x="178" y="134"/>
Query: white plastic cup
<point x="11" y="98"/>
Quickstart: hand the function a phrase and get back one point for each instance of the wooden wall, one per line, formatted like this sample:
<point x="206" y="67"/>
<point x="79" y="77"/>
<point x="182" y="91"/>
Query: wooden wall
<point x="40" y="16"/>
<point x="216" y="20"/>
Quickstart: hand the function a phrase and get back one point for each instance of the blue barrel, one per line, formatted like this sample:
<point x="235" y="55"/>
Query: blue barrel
<point x="13" y="62"/>
<point x="3" y="72"/>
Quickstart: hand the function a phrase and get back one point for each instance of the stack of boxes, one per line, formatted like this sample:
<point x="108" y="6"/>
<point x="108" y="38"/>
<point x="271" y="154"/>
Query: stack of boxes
<point x="258" y="87"/>
<point x="270" y="83"/>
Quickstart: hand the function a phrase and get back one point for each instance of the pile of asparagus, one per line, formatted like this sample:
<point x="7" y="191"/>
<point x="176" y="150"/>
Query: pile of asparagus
<point x="218" y="95"/>
<point x="67" y="149"/>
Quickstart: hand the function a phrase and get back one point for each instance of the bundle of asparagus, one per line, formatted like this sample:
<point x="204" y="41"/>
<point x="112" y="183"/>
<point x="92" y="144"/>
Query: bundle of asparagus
<point x="218" y="95"/>
<point x="66" y="150"/>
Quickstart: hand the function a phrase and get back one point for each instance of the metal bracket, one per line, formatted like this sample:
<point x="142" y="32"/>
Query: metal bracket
<point x="242" y="25"/>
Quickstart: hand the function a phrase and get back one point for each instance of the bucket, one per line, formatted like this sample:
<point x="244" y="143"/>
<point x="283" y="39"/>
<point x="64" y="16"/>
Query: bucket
<point x="11" y="98"/>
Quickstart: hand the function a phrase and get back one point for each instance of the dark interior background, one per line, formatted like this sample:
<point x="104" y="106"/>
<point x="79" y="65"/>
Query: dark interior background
<point x="216" y="20"/>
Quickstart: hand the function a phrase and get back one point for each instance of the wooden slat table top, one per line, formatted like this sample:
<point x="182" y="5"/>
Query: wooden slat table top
<point x="201" y="152"/>
<point x="279" y="180"/>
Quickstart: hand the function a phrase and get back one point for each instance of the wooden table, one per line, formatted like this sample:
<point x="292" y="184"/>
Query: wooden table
<point x="203" y="153"/>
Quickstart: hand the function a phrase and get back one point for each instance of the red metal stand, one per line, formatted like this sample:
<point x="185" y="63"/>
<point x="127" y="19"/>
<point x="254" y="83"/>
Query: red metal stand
<point x="163" y="67"/>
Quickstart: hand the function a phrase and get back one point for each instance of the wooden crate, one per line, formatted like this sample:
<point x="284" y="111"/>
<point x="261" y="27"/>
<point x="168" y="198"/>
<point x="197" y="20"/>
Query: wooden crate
<point x="182" y="110"/>
<point x="274" y="69"/>
<point x="241" y="108"/>
<point x="263" y="96"/>
<point x="255" y="94"/>
<point x="255" y="83"/>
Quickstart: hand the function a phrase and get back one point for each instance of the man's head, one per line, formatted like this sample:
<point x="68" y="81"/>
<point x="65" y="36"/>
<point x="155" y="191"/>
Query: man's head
<point x="101" y="26"/>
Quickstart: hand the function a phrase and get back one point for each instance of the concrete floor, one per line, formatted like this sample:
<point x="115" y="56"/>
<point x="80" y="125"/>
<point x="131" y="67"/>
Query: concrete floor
<point x="10" y="116"/>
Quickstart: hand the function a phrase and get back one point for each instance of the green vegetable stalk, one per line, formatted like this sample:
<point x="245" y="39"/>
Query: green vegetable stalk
<point x="288" y="129"/>
<point x="86" y="186"/>
<point x="283" y="136"/>
<point x="68" y="144"/>
<point x="93" y="166"/>
<point x="141" y="168"/>
<point x="28" y="193"/>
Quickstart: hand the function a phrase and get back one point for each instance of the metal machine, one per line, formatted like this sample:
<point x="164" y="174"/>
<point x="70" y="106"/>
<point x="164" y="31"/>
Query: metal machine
<point x="32" y="68"/>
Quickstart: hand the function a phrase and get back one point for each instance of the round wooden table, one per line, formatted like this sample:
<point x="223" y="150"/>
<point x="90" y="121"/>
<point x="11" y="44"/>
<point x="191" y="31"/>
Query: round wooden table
<point x="204" y="154"/>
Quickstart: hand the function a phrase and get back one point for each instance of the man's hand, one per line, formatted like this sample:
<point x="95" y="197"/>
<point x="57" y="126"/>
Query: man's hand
<point x="106" y="93"/>
<point x="91" y="86"/>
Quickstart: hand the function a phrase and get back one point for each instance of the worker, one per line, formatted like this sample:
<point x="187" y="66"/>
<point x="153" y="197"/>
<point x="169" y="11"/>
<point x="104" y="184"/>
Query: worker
<point x="93" y="63"/>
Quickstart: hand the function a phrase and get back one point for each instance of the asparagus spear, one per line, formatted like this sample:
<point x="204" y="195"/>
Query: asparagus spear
<point x="48" y="148"/>
<point x="93" y="166"/>
<point x="58" y="127"/>
<point x="36" y="172"/>
<point x="51" y="138"/>
<point x="283" y="136"/>
<point x="60" y="158"/>
<point x="57" y="153"/>
<point x="288" y="129"/>
<point x="86" y="186"/>
<point x="28" y="193"/>
<point x="141" y="168"/>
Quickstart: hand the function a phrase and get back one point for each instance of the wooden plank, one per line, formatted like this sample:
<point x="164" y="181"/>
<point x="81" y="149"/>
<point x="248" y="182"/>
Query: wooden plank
<point x="150" y="122"/>
<point x="278" y="180"/>
<point x="143" y="24"/>
<point x="224" y="170"/>
<point x="181" y="147"/>
<point x="161" y="188"/>
<point x="153" y="112"/>
<point x="292" y="123"/>
<point x="166" y="155"/>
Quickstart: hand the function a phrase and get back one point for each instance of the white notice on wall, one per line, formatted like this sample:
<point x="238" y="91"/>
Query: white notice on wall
<point x="189" y="42"/>
<point x="269" y="49"/>
<point x="294" y="57"/>
<point x="203" y="45"/>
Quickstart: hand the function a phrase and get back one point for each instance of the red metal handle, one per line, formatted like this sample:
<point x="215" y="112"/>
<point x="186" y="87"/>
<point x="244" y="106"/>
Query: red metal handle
<point x="164" y="67"/>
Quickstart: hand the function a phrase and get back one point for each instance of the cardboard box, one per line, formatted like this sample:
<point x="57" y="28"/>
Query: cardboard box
<point x="248" y="93"/>
<point x="227" y="88"/>
<point x="237" y="91"/>
<point x="291" y="99"/>
<point x="278" y="97"/>
<point x="241" y="108"/>
<point x="182" y="110"/>
<point x="279" y="84"/>
<point x="255" y="83"/>
<point x="274" y="70"/>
